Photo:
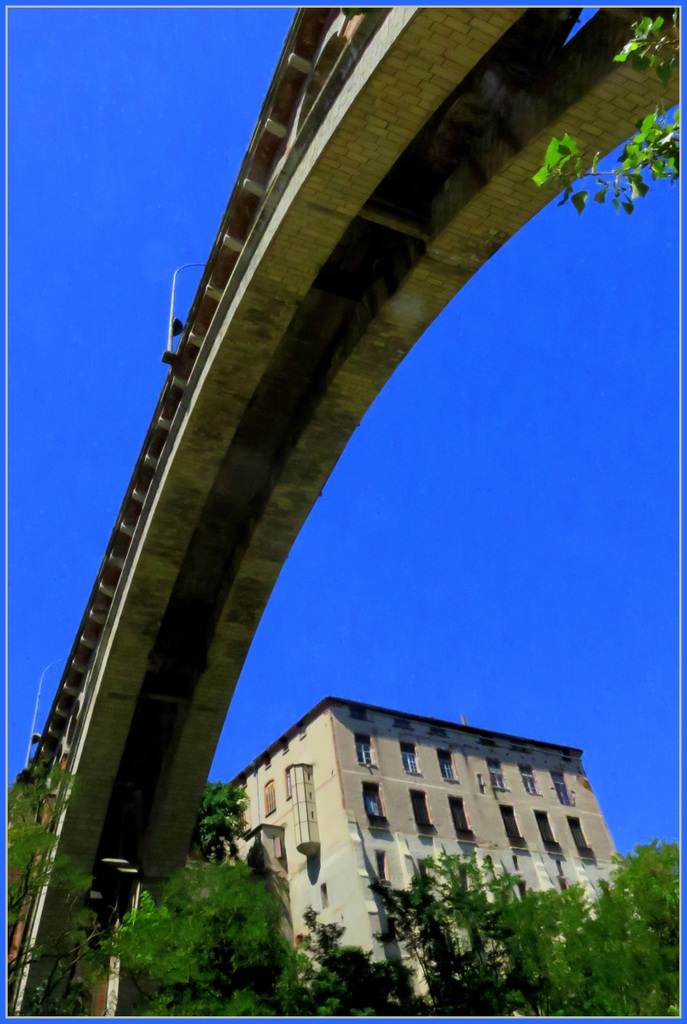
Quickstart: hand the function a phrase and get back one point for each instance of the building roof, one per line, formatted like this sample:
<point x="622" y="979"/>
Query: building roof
<point x="470" y="730"/>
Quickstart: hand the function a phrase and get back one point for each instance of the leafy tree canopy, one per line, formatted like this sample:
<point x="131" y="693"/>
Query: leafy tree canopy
<point x="220" y="821"/>
<point x="485" y="949"/>
<point x="35" y="802"/>
<point x="211" y="948"/>
<point x="337" y="980"/>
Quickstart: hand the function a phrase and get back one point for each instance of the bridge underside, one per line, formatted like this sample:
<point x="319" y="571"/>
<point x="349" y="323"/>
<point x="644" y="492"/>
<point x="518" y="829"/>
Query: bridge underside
<point x="406" y="179"/>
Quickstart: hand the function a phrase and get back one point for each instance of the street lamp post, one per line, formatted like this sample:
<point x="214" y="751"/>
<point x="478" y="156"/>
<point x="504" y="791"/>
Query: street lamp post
<point x="35" y="710"/>
<point x="168" y="356"/>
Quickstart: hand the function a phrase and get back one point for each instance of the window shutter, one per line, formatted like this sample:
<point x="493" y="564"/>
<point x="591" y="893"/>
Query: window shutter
<point x="460" y="822"/>
<point x="544" y="826"/>
<point x="420" y="812"/>
<point x="577" y="834"/>
<point x="510" y="823"/>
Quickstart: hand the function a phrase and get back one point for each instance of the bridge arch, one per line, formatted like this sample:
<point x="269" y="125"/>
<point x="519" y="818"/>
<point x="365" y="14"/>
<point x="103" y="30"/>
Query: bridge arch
<point x="330" y="287"/>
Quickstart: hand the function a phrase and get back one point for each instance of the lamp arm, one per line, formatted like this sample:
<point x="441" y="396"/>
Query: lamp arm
<point x="35" y="710"/>
<point x="170" y="330"/>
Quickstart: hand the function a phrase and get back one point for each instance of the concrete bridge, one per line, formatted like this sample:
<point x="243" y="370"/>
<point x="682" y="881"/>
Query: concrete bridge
<point x="392" y="157"/>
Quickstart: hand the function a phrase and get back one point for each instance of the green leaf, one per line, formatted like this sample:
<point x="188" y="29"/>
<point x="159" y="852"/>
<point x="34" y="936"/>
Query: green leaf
<point x="600" y="196"/>
<point x="664" y="72"/>
<point x="541" y="177"/>
<point x="579" y="201"/>
<point x="648" y="123"/>
<point x="628" y="207"/>
<point x="639" y="187"/>
<point x="640" y="63"/>
<point x="570" y="143"/>
<point x="616" y="205"/>
<point x="595" y="162"/>
<point x="552" y="153"/>
<point x="626" y="51"/>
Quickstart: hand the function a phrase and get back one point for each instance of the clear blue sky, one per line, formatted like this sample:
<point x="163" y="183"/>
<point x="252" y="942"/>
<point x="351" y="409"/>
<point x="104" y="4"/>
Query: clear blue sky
<point x="499" y="538"/>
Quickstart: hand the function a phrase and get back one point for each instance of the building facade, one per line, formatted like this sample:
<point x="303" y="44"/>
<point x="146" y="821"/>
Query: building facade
<point x="354" y="791"/>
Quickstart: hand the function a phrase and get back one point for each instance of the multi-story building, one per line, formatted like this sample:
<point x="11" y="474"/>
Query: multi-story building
<point x="353" y="792"/>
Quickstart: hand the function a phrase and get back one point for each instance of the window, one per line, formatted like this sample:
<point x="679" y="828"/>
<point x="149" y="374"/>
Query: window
<point x="481" y="783"/>
<point x="578" y="835"/>
<point x="325" y="895"/>
<point x="515" y="861"/>
<point x="460" y="821"/>
<point x="270" y="798"/>
<point x="363" y="748"/>
<point x="420" y="808"/>
<point x="561" y="789"/>
<point x="409" y="758"/>
<point x="372" y="801"/>
<point x="446" y="764"/>
<point x="287" y="777"/>
<point x="381" y="866"/>
<point x="509" y="823"/>
<point x="528" y="780"/>
<point x="403" y="723"/>
<point x="496" y="773"/>
<point x="544" y="826"/>
<point x="358" y="713"/>
<point x="522" y="889"/>
<point x="436" y="730"/>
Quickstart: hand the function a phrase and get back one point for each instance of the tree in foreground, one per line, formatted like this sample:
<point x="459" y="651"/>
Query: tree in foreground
<point x="210" y="948"/>
<point x="76" y="961"/>
<point x="338" y="980"/>
<point x="483" y="949"/>
<point x="221" y="821"/>
<point x="456" y="920"/>
<point x="67" y="964"/>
